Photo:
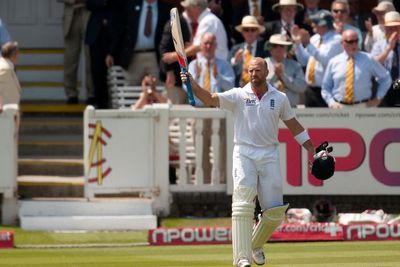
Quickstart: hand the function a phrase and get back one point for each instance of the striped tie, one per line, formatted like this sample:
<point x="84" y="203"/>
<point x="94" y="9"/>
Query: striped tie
<point x="311" y="69"/>
<point x="349" y="83"/>
<point x="206" y="80"/>
<point x="246" y="62"/>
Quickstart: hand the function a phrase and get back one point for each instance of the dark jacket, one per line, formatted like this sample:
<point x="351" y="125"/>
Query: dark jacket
<point x="123" y="46"/>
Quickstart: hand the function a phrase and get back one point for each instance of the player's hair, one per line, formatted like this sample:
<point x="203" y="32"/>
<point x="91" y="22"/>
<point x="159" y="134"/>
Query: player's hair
<point x="9" y="49"/>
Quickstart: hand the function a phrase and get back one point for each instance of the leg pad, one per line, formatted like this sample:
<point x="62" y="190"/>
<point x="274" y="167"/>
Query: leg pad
<point x="270" y="220"/>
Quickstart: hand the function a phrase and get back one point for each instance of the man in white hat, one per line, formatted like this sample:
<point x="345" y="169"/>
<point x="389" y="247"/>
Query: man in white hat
<point x="285" y="74"/>
<point x="241" y="54"/>
<point x="287" y="10"/>
<point x="261" y="9"/>
<point x="377" y="32"/>
<point x="387" y="52"/>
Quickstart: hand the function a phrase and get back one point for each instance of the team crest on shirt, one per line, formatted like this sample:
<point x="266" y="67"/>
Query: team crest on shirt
<point x="250" y="101"/>
<point x="272" y="104"/>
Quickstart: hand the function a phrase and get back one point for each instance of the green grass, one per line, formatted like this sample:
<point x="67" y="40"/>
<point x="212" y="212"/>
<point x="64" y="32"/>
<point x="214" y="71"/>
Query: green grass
<point x="312" y="254"/>
<point x="343" y="254"/>
<point x="22" y="237"/>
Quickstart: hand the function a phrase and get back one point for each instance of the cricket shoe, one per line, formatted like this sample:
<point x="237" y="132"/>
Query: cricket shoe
<point x="258" y="256"/>
<point x="243" y="263"/>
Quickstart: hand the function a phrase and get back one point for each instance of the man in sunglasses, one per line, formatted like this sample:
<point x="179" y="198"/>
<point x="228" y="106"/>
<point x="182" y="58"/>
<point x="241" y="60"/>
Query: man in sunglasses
<point x="341" y="12"/>
<point x="348" y="77"/>
<point x="241" y="54"/>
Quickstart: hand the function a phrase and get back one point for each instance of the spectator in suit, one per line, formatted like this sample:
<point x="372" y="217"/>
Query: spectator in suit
<point x="284" y="74"/>
<point x="216" y="75"/>
<point x="341" y="15"/>
<point x="261" y="9"/>
<point x="223" y="10"/>
<point x="316" y="53"/>
<point x="287" y="10"/>
<point x="348" y="77"/>
<point x="377" y="32"/>
<point x="101" y="29"/>
<point x="241" y="54"/>
<point x="138" y="38"/>
<point x="4" y="35"/>
<point x="10" y="89"/>
<point x="75" y="20"/>
<point x="170" y="72"/>
<point x="387" y="52"/>
<point x="201" y="20"/>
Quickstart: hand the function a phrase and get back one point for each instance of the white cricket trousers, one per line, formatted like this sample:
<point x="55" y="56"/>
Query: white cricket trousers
<point x="259" y="168"/>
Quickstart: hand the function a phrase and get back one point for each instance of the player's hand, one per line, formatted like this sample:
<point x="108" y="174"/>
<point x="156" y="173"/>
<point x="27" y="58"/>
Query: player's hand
<point x="185" y="76"/>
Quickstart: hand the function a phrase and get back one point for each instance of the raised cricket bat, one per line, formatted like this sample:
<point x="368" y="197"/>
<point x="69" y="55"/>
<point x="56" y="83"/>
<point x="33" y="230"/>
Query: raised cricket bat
<point x="180" y="49"/>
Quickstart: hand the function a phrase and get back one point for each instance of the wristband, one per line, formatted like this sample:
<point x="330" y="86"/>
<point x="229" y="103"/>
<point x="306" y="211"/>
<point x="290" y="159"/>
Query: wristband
<point x="302" y="137"/>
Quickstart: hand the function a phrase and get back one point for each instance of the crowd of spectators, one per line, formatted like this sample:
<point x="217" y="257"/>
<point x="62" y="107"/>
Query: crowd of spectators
<point x="333" y="56"/>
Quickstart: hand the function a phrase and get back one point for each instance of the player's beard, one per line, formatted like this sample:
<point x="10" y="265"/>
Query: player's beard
<point x="255" y="81"/>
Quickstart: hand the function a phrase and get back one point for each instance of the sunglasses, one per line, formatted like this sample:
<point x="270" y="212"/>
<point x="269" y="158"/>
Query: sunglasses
<point x="250" y="29"/>
<point x="342" y="11"/>
<point x="355" y="41"/>
<point x="277" y="45"/>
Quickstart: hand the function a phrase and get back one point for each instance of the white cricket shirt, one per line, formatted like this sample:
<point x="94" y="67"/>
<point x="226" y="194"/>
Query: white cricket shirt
<point x="256" y="123"/>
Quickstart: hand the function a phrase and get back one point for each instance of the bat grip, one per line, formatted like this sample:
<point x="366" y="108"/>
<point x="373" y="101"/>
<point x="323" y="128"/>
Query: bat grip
<point x="189" y="90"/>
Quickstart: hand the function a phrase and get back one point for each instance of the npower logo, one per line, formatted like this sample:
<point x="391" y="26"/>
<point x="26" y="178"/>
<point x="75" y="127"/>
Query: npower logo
<point x="350" y="162"/>
<point x="180" y="236"/>
<point x="372" y="232"/>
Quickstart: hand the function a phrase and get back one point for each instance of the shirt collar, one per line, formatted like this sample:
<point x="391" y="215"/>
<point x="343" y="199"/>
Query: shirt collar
<point x="247" y="88"/>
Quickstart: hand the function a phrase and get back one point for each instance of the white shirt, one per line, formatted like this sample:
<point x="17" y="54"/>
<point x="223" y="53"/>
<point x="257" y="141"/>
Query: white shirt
<point x="208" y="22"/>
<point x="256" y="123"/>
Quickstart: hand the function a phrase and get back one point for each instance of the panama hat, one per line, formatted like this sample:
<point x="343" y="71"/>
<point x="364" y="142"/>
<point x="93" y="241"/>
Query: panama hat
<point x="384" y="6"/>
<point x="278" y="39"/>
<point x="250" y="22"/>
<point x="392" y="18"/>
<point x="287" y="3"/>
